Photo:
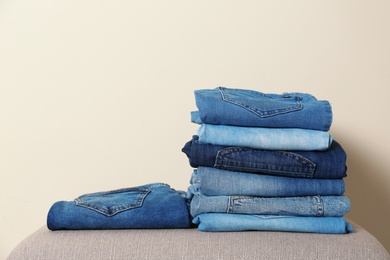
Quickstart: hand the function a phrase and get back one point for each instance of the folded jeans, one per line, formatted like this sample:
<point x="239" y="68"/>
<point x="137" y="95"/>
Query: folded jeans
<point x="216" y="182"/>
<point x="329" y="164"/>
<point x="265" y="138"/>
<point x="217" y="222"/>
<point x="242" y="107"/>
<point x="153" y="205"/>
<point x="306" y="206"/>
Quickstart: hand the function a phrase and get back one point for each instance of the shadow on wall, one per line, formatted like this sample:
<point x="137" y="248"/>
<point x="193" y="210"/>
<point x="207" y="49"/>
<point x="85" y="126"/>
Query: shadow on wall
<point x="369" y="195"/>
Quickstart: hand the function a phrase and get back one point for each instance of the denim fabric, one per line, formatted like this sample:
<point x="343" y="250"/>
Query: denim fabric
<point x="329" y="164"/>
<point x="153" y="205"/>
<point x="240" y="222"/>
<point x="265" y="138"/>
<point x="215" y="182"/>
<point x="308" y="206"/>
<point x="241" y="107"/>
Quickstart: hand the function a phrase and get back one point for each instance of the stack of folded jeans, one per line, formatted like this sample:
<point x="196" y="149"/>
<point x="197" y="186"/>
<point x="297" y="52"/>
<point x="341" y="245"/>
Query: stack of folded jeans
<point x="265" y="162"/>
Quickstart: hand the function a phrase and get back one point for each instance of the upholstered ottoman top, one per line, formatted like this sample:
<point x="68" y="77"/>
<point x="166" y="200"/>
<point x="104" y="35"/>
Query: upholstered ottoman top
<point x="194" y="244"/>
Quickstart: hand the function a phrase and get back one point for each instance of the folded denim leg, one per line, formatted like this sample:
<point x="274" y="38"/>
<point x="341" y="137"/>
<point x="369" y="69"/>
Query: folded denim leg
<point x="265" y="138"/>
<point x="216" y="222"/>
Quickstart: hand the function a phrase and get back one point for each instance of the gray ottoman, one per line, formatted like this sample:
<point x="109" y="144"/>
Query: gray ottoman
<point x="193" y="244"/>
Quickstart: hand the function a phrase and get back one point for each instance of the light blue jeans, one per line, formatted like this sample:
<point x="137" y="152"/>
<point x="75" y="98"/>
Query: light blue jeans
<point x="307" y="206"/>
<point x="241" y="107"/>
<point x="215" y="182"/>
<point x="265" y="138"/>
<point x="238" y="222"/>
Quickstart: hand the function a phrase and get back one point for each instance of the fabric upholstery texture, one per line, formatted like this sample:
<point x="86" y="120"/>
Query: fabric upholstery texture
<point x="193" y="244"/>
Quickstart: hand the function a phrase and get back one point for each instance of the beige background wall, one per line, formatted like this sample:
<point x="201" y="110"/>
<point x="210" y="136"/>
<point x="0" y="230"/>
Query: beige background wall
<point x="96" y="95"/>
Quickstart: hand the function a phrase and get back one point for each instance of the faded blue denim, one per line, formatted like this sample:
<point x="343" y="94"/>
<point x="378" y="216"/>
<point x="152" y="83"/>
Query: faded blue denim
<point x="265" y="138"/>
<point x="216" y="182"/>
<point x="307" y="206"/>
<point x="216" y="222"/>
<point x="153" y="205"/>
<point x="241" y="107"/>
<point x="329" y="164"/>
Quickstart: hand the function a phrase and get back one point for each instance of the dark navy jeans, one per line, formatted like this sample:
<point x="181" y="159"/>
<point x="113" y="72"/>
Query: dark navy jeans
<point x="328" y="164"/>
<point x="149" y="206"/>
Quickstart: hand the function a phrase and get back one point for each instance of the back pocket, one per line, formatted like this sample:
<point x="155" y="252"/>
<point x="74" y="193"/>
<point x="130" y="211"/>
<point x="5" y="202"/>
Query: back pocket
<point x="263" y="105"/>
<point x="112" y="202"/>
<point x="278" y="163"/>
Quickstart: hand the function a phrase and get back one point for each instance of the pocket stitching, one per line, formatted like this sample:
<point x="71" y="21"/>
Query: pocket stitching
<point x="222" y="153"/>
<point x="262" y="113"/>
<point x="113" y="210"/>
